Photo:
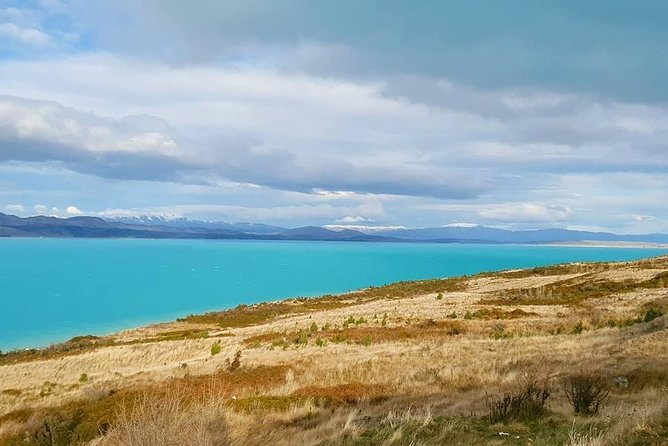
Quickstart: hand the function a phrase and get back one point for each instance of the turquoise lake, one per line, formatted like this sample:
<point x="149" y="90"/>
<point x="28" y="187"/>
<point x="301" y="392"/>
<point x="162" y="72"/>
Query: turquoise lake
<point x="54" y="289"/>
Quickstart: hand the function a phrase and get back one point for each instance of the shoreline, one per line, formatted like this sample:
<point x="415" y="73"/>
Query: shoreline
<point x="599" y="244"/>
<point x="179" y="318"/>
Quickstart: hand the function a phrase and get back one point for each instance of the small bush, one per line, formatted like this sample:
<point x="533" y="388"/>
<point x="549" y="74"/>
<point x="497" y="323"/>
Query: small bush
<point x="652" y="313"/>
<point x="528" y="402"/>
<point x="499" y="332"/>
<point x="313" y="327"/>
<point x="302" y="338"/>
<point x="215" y="348"/>
<point x="367" y="340"/>
<point x="578" y="328"/>
<point x="236" y="362"/>
<point x="586" y="392"/>
<point x="455" y="329"/>
<point x="439" y="296"/>
<point x="83" y="378"/>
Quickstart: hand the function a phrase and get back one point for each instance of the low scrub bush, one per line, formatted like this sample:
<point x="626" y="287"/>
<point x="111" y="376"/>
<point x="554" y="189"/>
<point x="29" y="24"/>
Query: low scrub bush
<point x="528" y="402"/>
<point x="586" y="392"/>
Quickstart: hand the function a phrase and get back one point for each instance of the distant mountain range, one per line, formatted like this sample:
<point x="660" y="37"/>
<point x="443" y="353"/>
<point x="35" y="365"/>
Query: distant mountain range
<point x="181" y="228"/>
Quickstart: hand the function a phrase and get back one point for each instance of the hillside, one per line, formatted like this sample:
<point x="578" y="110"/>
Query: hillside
<point x="487" y="359"/>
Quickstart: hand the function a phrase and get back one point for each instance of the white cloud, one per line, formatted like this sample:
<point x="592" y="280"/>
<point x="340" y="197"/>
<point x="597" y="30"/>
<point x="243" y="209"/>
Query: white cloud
<point x="526" y="212"/>
<point x="25" y="35"/>
<point x="363" y="228"/>
<point x="41" y="209"/>
<point x="351" y="219"/>
<point x="15" y="208"/>
<point x="73" y="210"/>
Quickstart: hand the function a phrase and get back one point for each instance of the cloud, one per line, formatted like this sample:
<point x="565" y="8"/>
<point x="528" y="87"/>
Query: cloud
<point x="143" y="147"/>
<point x="527" y="213"/>
<point x="73" y="210"/>
<point x="351" y="219"/>
<point x="41" y="209"/>
<point x="15" y="208"/>
<point x="609" y="51"/>
<point x="28" y="36"/>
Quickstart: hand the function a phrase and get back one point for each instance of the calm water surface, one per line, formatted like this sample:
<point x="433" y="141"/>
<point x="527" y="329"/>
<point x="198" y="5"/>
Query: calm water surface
<point x="53" y="289"/>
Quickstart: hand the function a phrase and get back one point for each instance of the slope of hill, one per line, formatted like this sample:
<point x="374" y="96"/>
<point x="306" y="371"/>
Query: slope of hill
<point x="489" y="359"/>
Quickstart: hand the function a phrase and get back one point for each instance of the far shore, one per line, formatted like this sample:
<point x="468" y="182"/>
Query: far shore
<point x="611" y="244"/>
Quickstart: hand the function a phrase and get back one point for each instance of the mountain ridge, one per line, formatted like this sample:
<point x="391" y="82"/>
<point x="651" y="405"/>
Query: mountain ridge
<point x="182" y="228"/>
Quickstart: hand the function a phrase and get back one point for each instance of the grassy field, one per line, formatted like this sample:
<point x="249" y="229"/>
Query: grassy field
<point x="567" y="355"/>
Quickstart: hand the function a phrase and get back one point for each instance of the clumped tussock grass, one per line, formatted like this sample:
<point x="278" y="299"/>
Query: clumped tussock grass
<point x="575" y="291"/>
<point x="172" y="420"/>
<point x="360" y="335"/>
<point x="76" y="345"/>
<point x="246" y="315"/>
<point x="349" y="393"/>
<point x="498" y="313"/>
<point x="84" y="420"/>
<point x="554" y="270"/>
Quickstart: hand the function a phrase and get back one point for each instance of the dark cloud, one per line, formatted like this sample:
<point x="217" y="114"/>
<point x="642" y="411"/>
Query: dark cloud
<point x="603" y="48"/>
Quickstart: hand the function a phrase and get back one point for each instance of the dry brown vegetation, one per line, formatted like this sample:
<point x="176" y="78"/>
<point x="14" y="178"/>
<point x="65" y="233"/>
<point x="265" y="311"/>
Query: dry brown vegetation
<point x="571" y="354"/>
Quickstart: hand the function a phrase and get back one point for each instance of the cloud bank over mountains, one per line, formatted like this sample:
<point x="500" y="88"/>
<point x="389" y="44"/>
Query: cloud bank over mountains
<point x="313" y="113"/>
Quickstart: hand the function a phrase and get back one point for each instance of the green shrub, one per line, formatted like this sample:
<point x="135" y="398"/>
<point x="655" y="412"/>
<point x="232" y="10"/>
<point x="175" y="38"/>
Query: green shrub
<point x="578" y="328"/>
<point x="83" y="378"/>
<point x="652" y="313"/>
<point x="439" y="296"/>
<point x="314" y="327"/>
<point x="367" y="340"/>
<point x="215" y="348"/>
<point x="302" y="338"/>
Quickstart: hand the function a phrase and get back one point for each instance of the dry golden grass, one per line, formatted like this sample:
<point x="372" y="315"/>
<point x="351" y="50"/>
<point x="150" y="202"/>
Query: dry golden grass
<point x="367" y="368"/>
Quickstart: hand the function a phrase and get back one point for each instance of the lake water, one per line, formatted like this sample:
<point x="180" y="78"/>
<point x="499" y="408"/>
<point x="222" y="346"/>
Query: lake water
<point x="53" y="289"/>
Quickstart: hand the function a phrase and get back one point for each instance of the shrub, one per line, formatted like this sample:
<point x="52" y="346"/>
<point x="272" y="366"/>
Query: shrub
<point x="586" y="392"/>
<point x="528" y="402"/>
<point x="499" y="332"/>
<point x="215" y="348"/>
<point x="455" y="329"/>
<point x="367" y="340"/>
<point x="314" y="327"/>
<point x="652" y="313"/>
<point x="578" y="328"/>
<point x="83" y="378"/>
<point x="302" y="339"/>
<point x="439" y="296"/>
<point x="236" y="362"/>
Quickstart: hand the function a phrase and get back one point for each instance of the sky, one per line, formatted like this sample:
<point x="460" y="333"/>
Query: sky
<point x="514" y="114"/>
